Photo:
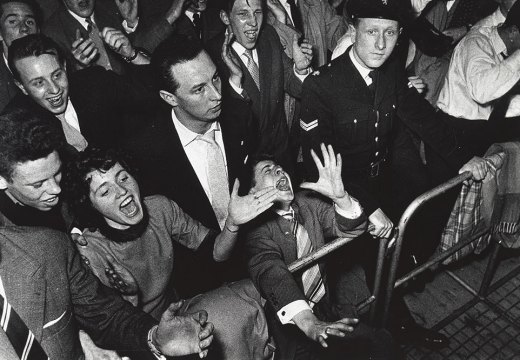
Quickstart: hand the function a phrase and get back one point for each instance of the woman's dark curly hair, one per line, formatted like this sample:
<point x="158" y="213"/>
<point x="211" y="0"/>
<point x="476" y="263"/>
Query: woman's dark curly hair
<point x="76" y="185"/>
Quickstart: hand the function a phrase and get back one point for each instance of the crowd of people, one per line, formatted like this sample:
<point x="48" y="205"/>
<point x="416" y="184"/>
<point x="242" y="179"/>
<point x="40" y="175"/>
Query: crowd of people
<point x="162" y="163"/>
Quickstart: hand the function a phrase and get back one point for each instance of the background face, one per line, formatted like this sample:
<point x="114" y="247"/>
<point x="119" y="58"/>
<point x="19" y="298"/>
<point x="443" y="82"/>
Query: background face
<point x="115" y="195"/>
<point x="17" y="21"/>
<point x="374" y="41"/>
<point x="45" y="80"/>
<point x="198" y="5"/>
<point x="83" y="8"/>
<point x="246" y="20"/>
<point x="36" y="183"/>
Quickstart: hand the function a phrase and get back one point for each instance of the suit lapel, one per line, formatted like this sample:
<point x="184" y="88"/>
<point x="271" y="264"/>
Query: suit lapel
<point x="250" y="86"/>
<point x="24" y="284"/>
<point x="358" y="89"/>
<point x="70" y="25"/>
<point x="383" y="88"/>
<point x="265" y="53"/>
<point x="288" y="242"/>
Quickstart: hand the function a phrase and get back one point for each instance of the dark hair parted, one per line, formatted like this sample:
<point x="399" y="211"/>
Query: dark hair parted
<point x="247" y="178"/>
<point x="76" y="183"/>
<point x="26" y="136"/>
<point x="175" y="50"/>
<point x="32" y="45"/>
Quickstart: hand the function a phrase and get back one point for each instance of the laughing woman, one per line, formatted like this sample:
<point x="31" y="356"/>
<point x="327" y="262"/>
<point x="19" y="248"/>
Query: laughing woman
<point x="129" y="243"/>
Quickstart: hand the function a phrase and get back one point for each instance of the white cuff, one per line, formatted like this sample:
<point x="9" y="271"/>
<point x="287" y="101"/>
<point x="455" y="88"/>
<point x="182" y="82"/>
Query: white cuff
<point x="129" y="29"/>
<point x="238" y="90"/>
<point x="290" y="310"/>
<point x="354" y="212"/>
<point x="302" y="77"/>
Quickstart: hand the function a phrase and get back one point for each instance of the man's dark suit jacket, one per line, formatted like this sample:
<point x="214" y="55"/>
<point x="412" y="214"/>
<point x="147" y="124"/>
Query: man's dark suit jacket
<point x="165" y="169"/>
<point x="269" y="132"/>
<point x="337" y="109"/>
<point x="211" y="25"/>
<point x="8" y="89"/>
<point x="56" y="295"/>
<point x="270" y="247"/>
<point x="109" y="107"/>
<point x="62" y="26"/>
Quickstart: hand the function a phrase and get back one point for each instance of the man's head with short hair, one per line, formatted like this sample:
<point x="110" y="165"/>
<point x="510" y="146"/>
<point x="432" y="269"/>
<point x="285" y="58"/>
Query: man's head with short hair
<point x="375" y="30"/>
<point x="262" y="171"/>
<point x="30" y="166"/>
<point x="17" y="19"/>
<point x="100" y="187"/>
<point x="82" y="8"/>
<point x="39" y="71"/>
<point x="187" y="79"/>
<point x="245" y="17"/>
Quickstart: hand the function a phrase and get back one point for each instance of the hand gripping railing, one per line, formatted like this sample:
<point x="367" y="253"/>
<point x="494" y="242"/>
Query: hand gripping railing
<point x="399" y="234"/>
<point x="335" y="245"/>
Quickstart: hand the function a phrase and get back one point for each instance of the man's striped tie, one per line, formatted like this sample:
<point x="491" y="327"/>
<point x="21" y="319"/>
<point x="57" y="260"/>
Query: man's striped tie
<point x="313" y="286"/>
<point x="22" y="339"/>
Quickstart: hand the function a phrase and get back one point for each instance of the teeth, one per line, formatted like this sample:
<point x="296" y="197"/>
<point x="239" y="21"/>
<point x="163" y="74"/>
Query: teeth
<point x="126" y="201"/>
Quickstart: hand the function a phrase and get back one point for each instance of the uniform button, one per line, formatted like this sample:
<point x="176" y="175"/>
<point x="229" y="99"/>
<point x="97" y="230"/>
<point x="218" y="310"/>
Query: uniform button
<point x="355" y="121"/>
<point x="377" y="153"/>
<point x="287" y="233"/>
<point x="376" y="124"/>
<point x="377" y="139"/>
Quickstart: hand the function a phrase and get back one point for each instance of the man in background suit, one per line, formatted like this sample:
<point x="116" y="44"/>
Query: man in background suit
<point x="76" y="25"/>
<point x="268" y="72"/>
<point x="199" y="22"/>
<point x="171" y="152"/>
<point x="17" y="19"/>
<point x="94" y="106"/>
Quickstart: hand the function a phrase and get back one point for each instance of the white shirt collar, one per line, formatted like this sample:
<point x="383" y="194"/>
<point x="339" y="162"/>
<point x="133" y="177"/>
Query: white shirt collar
<point x="363" y="71"/>
<point x="282" y="213"/>
<point x="2" y="290"/>
<point x="186" y="135"/>
<point x="82" y="20"/>
<point x="6" y="63"/>
<point x="240" y="50"/>
<point x="190" y="13"/>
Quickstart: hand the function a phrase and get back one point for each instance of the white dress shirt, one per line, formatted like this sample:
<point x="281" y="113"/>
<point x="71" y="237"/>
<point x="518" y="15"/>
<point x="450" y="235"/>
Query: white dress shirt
<point x="478" y="75"/>
<point x="363" y="71"/>
<point x="71" y="117"/>
<point x="495" y="19"/>
<point x="196" y="150"/>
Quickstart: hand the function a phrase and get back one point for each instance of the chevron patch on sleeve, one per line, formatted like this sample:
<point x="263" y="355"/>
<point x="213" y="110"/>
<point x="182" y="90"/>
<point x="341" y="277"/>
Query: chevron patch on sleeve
<point x="308" y="127"/>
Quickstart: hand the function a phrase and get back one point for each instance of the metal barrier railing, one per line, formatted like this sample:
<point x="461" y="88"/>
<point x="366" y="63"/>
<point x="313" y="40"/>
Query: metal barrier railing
<point x="335" y="245"/>
<point x="397" y="240"/>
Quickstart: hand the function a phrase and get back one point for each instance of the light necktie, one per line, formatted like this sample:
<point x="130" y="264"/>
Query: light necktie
<point x="313" y="286"/>
<point x="21" y="338"/>
<point x="252" y="67"/>
<point x="197" y="23"/>
<point x="296" y="16"/>
<point x="93" y="34"/>
<point x="73" y="136"/>
<point x="217" y="178"/>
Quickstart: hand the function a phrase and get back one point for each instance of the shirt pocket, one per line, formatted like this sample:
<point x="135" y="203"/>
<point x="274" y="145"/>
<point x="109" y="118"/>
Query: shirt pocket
<point x="352" y="126"/>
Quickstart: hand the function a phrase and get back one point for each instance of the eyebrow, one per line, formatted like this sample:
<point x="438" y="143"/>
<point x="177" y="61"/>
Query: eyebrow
<point x="104" y="182"/>
<point x="265" y="166"/>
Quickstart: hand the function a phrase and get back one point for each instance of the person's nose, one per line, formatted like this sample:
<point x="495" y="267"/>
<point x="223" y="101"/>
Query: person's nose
<point x="381" y="42"/>
<point x="53" y="187"/>
<point x="120" y="190"/>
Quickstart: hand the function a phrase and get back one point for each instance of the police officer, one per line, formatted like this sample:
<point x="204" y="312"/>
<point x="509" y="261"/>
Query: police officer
<point x="362" y="104"/>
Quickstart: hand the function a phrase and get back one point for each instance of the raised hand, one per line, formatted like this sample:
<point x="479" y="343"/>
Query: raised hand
<point x="84" y="50"/>
<point x="418" y="83"/>
<point x="302" y="55"/>
<point x="179" y="335"/>
<point x="119" y="277"/>
<point x="329" y="183"/>
<point x="229" y="58"/>
<point x="117" y="41"/>
<point x="128" y="10"/>
<point x="320" y="331"/>
<point x="242" y="209"/>
<point x="277" y="10"/>
<point x="92" y="352"/>
<point x="175" y="11"/>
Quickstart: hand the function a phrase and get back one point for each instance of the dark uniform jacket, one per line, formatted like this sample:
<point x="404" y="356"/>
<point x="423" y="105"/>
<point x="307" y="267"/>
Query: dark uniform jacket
<point x="338" y="109"/>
